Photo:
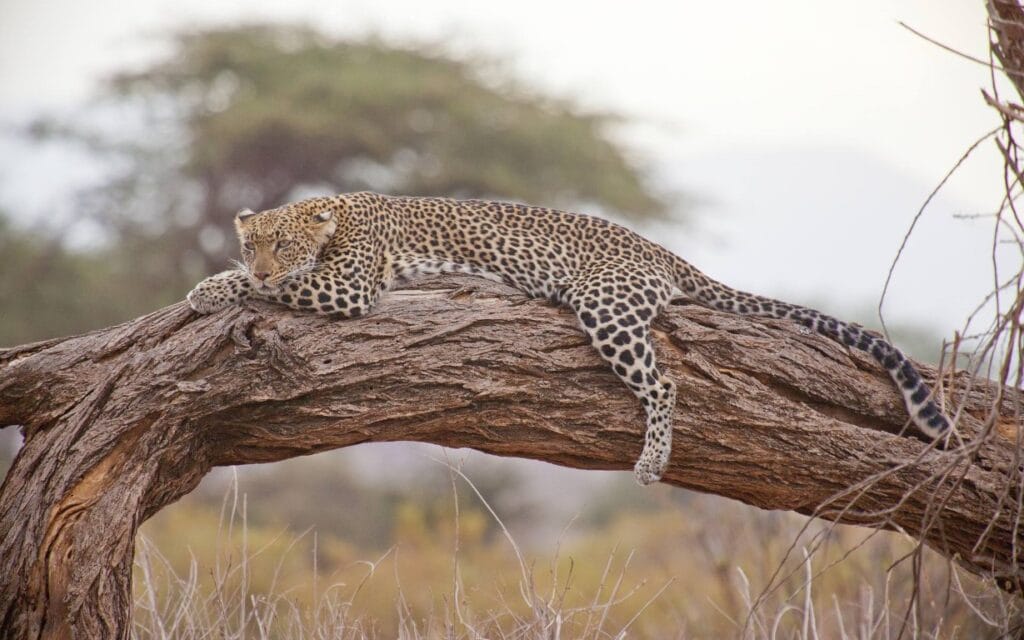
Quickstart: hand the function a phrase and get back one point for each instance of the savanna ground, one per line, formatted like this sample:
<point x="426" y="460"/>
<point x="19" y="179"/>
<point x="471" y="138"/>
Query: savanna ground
<point x="315" y="552"/>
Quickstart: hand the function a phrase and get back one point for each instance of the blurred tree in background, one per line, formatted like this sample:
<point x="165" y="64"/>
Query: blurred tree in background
<point x="48" y="289"/>
<point x="255" y="116"/>
<point x="366" y="509"/>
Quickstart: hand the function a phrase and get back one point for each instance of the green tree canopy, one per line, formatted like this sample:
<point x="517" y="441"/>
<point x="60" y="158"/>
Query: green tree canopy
<point x="271" y="107"/>
<point x="254" y="116"/>
<point x="258" y="115"/>
<point x="49" y="289"/>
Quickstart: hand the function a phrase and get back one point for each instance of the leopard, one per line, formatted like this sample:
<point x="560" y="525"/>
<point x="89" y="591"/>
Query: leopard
<point x="338" y="254"/>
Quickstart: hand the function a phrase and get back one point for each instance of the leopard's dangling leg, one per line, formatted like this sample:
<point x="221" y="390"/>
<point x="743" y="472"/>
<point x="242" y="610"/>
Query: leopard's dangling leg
<point x="616" y="314"/>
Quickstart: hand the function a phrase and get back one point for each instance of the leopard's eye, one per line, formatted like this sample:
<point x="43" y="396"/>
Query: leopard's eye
<point x="282" y="244"/>
<point x="248" y="246"/>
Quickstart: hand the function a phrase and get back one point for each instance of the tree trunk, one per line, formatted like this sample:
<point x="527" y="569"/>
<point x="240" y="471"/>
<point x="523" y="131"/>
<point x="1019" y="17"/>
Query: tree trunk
<point x="120" y="422"/>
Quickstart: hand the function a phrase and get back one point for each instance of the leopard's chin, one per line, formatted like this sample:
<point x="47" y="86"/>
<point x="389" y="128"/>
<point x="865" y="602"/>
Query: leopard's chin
<point x="266" y="289"/>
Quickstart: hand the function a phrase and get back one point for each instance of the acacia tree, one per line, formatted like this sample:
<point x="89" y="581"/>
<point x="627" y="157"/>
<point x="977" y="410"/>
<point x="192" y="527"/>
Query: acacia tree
<point x="254" y="116"/>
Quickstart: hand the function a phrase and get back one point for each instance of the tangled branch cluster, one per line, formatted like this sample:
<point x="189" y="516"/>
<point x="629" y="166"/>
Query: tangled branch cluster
<point x="990" y="345"/>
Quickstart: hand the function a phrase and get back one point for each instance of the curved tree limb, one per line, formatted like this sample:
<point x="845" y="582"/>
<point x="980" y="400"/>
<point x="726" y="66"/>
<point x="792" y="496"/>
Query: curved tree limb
<point x="123" y="421"/>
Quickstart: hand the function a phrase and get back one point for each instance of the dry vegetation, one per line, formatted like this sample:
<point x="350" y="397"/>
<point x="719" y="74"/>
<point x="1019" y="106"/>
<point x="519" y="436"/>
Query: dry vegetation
<point x="667" y="571"/>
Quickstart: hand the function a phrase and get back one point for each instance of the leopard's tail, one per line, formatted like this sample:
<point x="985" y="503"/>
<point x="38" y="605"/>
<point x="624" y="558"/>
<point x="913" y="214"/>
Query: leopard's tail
<point x="917" y="396"/>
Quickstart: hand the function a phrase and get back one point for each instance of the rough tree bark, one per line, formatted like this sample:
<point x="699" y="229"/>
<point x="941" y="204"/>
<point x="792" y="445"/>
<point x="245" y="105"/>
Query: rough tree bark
<point x="123" y="421"/>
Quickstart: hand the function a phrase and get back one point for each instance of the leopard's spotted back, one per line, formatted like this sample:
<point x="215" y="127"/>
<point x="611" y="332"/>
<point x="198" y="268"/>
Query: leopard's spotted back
<point x="615" y="280"/>
<point x="538" y="250"/>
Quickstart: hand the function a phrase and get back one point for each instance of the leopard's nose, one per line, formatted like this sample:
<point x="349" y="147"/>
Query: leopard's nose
<point x="262" y="275"/>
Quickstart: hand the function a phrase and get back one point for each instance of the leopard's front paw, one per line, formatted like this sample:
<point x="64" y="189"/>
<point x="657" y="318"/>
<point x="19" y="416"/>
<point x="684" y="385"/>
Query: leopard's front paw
<point x="219" y="291"/>
<point x="650" y="467"/>
<point x="207" y="299"/>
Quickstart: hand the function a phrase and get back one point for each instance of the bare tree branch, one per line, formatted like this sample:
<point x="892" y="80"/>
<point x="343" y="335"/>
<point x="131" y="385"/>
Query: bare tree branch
<point x="1006" y="19"/>
<point x="123" y="421"/>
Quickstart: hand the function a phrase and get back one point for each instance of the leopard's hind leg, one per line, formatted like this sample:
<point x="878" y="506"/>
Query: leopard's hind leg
<point x="616" y="313"/>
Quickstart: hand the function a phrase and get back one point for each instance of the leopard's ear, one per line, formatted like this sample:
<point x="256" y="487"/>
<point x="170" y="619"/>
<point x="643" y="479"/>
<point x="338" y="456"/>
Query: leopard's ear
<point x="326" y="223"/>
<point x="242" y="217"/>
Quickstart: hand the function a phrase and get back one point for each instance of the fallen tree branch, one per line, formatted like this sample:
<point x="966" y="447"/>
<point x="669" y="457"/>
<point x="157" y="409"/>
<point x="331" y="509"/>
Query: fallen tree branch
<point x="123" y="421"/>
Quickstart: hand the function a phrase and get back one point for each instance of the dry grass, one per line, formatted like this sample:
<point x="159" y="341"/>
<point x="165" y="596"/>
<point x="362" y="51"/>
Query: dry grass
<point x="693" y="573"/>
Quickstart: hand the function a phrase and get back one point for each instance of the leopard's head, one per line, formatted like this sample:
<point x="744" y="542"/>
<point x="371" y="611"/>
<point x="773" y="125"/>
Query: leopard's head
<point x="281" y="243"/>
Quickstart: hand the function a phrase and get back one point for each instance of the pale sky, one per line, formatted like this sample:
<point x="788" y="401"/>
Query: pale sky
<point x="812" y="130"/>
